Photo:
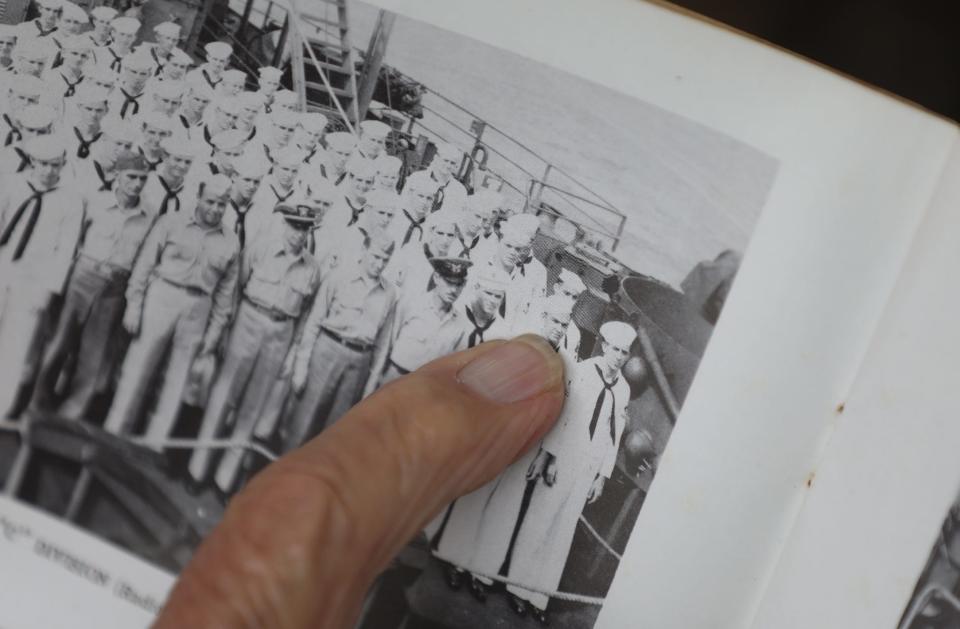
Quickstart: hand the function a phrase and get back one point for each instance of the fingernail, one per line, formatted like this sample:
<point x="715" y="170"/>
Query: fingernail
<point x="515" y="371"/>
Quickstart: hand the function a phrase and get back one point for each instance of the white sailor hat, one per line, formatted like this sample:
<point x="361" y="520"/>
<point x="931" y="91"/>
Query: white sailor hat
<point x="618" y="333"/>
<point x="289" y="156"/>
<point x="341" y="141"/>
<point x="170" y="89"/>
<point x="101" y="72"/>
<point x="313" y="122"/>
<point x="124" y="24"/>
<point x="420" y="181"/>
<point x="218" y="185"/>
<point x="8" y="31"/>
<point x="447" y="218"/>
<point x="178" y="147"/>
<point x="285" y="117"/>
<point x="388" y="164"/>
<point x="51" y="4"/>
<point x="89" y="93"/>
<point x="250" y="100"/>
<point x="118" y="128"/>
<point x="218" y="50"/>
<point x="374" y="129"/>
<point x="156" y="120"/>
<point x="572" y="280"/>
<point x="269" y="72"/>
<point x="169" y="29"/>
<point x="45" y="147"/>
<point x="379" y="242"/>
<point x="103" y="13"/>
<point x="250" y="165"/>
<point x="477" y="205"/>
<point x="383" y="198"/>
<point x="286" y="97"/>
<point x="76" y="42"/>
<point x="321" y="189"/>
<point x="37" y="116"/>
<point x="71" y="10"/>
<point x="179" y="56"/>
<point x="32" y="48"/>
<point x="492" y="277"/>
<point x="490" y="198"/>
<point x="445" y="149"/>
<point x="26" y="85"/>
<point x="137" y="61"/>
<point x="558" y="305"/>
<point x="361" y="167"/>
<point x="521" y="226"/>
<point x="228" y="105"/>
<point x="234" y="75"/>
<point x="229" y="139"/>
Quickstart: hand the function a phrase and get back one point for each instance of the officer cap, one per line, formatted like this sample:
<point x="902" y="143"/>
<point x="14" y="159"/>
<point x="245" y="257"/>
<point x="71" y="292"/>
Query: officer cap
<point x="26" y="85"/>
<point x="250" y="165"/>
<point x="123" y="24"/>
<point x="31" y="48"/>
<point x="374" y="129"/>
<point x="178" y="55"/>
<point x="170" y="89"/>
<point x="286" y="97"/>
<point x="37" y="116"/>
<point x="103" y="13"/>
<point x="289" y="156"/>
<point x="218" y="185"/>
<point x="421" y="181"/>
<point x="167" y="29"/>
<point x="313" y="122"/>
<point x="379" y="242"/>
<point x="361" y="167"/>
<point x="88" y="93"/>
<point x="321" y="190"/>
<point x="176" y="146"/>
<point x="522" y="227"/>
<point x="138" y="61"/>
<point x="558" y="305"/>
<point x="8" y="31"/>
<point x="269" y="72"/>
<point x="388" y="164"/>
<point x="341" y="141"/>
<point x="76" y="42"/>
<point x="156" y="120"/>
<point x="129" y="160"/>
<point x="572" y="280"/>
<point x="492" y="277"/>
<point x="218" y="50"/>
<point x="453" y="270"/>
<point x="618" y="333"/>
<point x="383" y="198"/>
<point x="118" y="128"/>
<point x="71" y="10"/>
<point x="45" y="147"/>
<point x="229" y="139"/>
<point x="235" y="75"/>
<point x="302" y="220"/>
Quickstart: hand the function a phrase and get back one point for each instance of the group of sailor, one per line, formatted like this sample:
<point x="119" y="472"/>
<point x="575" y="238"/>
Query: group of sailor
<point x="160" y="221"/>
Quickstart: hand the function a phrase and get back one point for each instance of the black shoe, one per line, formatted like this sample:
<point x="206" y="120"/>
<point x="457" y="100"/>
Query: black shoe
<point x="478" y="589"/>
<point x="540" y="615"/>
<point x="517" y="604"/>
<point x="454" y="577"/>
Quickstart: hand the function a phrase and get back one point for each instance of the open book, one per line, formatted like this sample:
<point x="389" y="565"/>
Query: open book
<point x="771" y="451"/>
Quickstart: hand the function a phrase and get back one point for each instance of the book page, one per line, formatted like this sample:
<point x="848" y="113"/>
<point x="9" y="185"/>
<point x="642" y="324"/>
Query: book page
<point x="888" y="480"/>
<point x="655" y="151"/>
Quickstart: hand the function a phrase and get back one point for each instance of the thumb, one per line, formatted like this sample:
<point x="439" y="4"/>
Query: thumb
<point x="299" y="547"/>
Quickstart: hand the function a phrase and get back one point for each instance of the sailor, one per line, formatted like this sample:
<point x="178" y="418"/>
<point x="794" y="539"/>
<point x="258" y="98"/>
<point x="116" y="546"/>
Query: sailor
<point x="251" y="108"/>
<point x="470" y="241"/>
<point x="62" y="81"/>
<point x="344" y="335"/>
<point x="123" y="35"/>
<point x="153" y="129"/>
<point x="29" y="57"/>
<point x="248" y="172"/>
<point x="45" y="24"/>
<point x="127" y="99"/>
<point x="166" y="97"/>
<point x="228" y="146"/>
<point x="488" y="287"/>
<point x="575" y="460"/>
<point x="73" y="20"/>
<point x="286" y="99"/>
<point x="218" y="59"/>
<point x="476" y="531"/>
<point x="90" y="105"/>
<point x="97" y="173"/>
<point x="377" y="214"/>
<point x="179" y="299"/>
<point x="340" y="146"/>
<point x="353" y="190"/>
<point x="165" y="191"/>
<point x="32" y="121"/>
<point x="528" y="275"/>
<point x="166" y="36"/>
<point x="415" y="204"/>
<point x="195" y="103"/>
<point x="219" y="116"/>
<point x="277" y="187"/>
<point x="278" y="134"/>
<point x="100" y="75"/>
<point x="388" y="172"/>
<point x="492" y="202"/>
<point x="571" y="286"/>
<point x="451" y="194"/>
<point x="176" y="67"/>
<point x="40" y="226"/>
<point x="412" y="269"/>
<point x="278" y="280"/>
<point x="309" y="136"/>
<point x="115" y="226"/>
<point x="22" y="91"/>
<point x="8" y="40"/>
<point x="232" y="82"/>
<point x="373" y="138"/>
<point x="100" y="18"/>
<point x="268" y="81"/>
<point x="318" y="198"/>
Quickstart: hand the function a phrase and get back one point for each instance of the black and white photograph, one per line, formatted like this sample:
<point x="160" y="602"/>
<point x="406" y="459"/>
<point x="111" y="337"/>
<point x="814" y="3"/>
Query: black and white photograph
<point x="935" y="603"/>
<point x="225" y="223"/>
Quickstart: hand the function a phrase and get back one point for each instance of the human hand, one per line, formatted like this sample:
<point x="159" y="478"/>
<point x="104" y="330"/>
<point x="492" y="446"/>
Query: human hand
<point x="131" y="321"/>
<point x="537" y="465"/>
<point x="298" y="380"/>
<point x="596" y="490"/>
<point x="550" y="472"/>
<point x="300" y="545"/>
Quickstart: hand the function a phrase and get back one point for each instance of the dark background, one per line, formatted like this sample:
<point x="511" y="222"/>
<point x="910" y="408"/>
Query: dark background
<point x="909" y="48"/>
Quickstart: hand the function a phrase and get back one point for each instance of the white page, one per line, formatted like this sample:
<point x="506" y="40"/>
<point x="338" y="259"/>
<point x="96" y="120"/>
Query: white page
<point x="891" y="469"/>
